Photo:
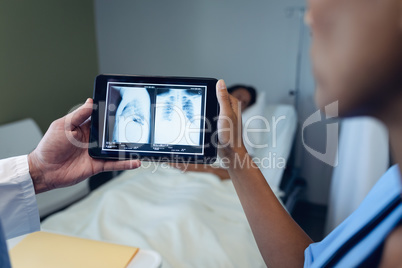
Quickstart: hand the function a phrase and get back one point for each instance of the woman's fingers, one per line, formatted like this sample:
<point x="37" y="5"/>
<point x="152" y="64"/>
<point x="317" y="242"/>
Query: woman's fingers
<point x="234" y="104"/>
<point x="223" y="97"/>
<point x="227" y="102"/>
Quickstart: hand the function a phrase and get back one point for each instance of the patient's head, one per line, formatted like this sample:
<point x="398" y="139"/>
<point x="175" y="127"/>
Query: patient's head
<point x="245" y="94"/>
<point x="357" y="53"/>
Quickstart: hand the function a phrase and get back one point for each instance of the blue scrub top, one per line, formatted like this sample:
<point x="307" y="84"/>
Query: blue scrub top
<point x="381" y="206"/>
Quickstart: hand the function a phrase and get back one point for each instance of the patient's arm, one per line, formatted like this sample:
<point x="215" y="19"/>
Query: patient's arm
<point x="222" y="173"/>
<point x="280" y="240"/>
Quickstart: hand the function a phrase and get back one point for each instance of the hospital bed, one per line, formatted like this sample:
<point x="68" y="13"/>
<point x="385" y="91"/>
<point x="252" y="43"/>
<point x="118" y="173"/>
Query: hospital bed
<point x="191" y="219"/>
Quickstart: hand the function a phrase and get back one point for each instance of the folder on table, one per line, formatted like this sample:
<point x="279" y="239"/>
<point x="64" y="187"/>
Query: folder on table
<point x="43" y="249"/>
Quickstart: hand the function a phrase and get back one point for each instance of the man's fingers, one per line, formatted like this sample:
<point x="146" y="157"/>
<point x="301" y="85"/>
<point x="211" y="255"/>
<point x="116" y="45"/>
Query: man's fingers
<point x="121" y="165"/>
<point x="79" y="116"/>
<point x="223" y="97"/>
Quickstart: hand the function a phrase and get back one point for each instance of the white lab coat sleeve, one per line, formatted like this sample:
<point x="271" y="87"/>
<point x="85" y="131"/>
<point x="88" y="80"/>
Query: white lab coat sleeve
<point x="18" y="209"/>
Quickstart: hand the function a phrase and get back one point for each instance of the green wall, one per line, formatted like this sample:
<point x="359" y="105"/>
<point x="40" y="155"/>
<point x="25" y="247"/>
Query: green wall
<point x="48" y="58"/>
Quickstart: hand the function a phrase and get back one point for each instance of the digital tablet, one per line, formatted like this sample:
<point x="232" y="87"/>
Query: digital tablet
<point x="170" y="119"/>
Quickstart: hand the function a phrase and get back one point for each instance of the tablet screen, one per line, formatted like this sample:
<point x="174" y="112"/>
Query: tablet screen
<point x="147" y="117"/>
<point x="157" y="118"/>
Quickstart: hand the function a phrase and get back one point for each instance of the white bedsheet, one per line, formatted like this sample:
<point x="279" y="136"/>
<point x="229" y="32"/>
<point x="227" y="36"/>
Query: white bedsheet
<point x="191" y="219"/>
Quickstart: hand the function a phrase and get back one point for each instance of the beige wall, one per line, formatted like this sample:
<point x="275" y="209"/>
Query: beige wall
<point x="48" y="58"/>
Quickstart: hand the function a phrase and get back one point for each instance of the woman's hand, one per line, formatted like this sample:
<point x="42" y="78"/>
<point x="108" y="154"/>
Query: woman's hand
<point x="280" y="240"/>
<point x="229" y="124"/>
<point x="61" y="158"/>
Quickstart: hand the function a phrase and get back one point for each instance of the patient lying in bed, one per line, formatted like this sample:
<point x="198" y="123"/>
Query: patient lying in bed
<point x="189" y="218"/>
<point x="247" y="96"/>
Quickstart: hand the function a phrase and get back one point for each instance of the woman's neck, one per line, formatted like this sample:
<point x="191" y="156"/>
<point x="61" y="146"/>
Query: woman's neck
<point x="395" y="135"/>
<point x="392" y="117"/>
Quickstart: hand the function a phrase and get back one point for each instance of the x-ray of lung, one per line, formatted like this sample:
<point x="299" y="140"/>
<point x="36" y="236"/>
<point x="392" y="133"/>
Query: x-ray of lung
<point x="133" y="116"/>
<point x="178" y="117"/>
<point x="154" y="117"/>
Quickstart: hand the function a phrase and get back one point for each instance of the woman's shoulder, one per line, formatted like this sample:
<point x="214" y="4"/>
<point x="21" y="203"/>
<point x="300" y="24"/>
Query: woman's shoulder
<point x="383" y="202"/>
<point x="386" y="189"/>
<point x="392" y="254"/>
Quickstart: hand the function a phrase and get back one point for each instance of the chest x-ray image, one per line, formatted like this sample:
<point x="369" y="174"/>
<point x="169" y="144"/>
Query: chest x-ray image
<point x="133" y="116"/>
<point x="178" y="117"/>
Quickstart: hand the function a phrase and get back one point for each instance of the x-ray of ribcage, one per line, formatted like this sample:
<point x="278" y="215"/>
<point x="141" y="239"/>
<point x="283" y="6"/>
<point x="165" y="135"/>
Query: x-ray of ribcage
<point x="168" y="108"/>
<point x="177" y="118"/>
<point x="188" y="108"/>
<point x="133" y="116"/>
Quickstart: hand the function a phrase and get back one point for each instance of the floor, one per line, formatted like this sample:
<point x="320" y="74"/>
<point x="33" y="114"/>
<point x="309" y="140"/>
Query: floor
<point x="311" y="218"/>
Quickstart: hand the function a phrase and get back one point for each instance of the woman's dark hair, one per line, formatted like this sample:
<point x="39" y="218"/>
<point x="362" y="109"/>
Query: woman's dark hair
<point x="251" y="90"/>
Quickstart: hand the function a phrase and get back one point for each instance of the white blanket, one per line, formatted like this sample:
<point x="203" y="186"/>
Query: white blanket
<point x="191" y="219"/>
